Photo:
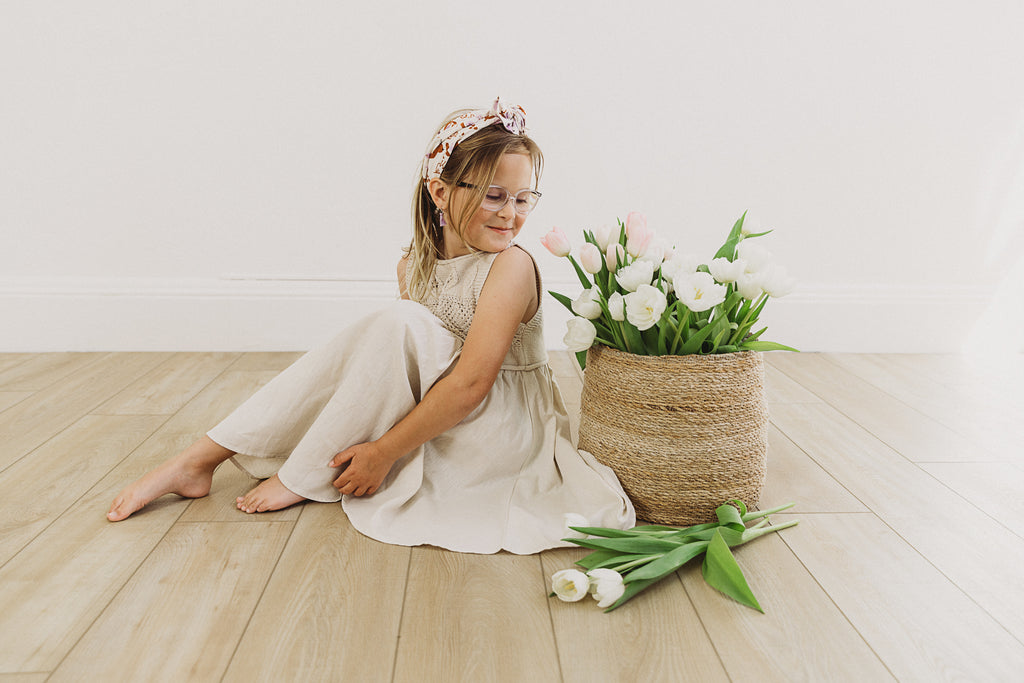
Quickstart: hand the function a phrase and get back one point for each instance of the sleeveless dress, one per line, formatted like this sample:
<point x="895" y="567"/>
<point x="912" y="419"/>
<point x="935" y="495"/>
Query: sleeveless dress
<point x="502" y="479"/>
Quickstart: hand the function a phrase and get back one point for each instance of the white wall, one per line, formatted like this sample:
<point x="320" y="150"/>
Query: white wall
<point x="235" y="175"/>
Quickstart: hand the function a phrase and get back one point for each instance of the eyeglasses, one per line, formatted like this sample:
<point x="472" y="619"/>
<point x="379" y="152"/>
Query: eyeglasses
<point x="497" y="197"/>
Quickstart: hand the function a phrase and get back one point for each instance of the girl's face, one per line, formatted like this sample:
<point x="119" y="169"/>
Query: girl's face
<point x="490" y="231"/>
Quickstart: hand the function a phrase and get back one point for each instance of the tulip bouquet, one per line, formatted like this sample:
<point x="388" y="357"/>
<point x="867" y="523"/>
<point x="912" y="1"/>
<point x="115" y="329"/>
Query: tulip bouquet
<point x="648" y="299"/>
<point x="626" y="561"/>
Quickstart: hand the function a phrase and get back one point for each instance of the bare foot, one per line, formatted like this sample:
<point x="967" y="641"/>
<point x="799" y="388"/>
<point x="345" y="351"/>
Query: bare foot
<point x="187" y="474"/>
<point x="271" y="494"/>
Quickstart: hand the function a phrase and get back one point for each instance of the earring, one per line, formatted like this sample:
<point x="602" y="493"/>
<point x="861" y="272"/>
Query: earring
<point x="440" y="218"/>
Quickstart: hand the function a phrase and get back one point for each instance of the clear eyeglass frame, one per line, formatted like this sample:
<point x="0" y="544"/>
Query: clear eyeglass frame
<point x="497" y="197"/>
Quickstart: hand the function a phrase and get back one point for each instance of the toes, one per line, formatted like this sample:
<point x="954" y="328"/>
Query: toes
<point x="247" y="503"/>
<point x="119" y="510"/>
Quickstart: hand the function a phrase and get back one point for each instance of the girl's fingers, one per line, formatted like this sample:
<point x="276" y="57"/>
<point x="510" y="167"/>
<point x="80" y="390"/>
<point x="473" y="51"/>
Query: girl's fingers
<point x="339" y="459"/>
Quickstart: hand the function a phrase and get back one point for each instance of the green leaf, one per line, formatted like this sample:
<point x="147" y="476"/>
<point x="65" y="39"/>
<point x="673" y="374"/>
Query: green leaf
<point x="634" y="342"/>
<point x="596" y="558"/>
<point x="663" y="327"/>
<point x="694" y="342"/>
<point x="605" y="335"/>
<point x="563" y="299"/>
<point x="731" y="302"/>
<point x="753" y="336"/>
<point x="732" y="537"/>
<point x="684" y="325"/>
<point x="696" y="528"/>
<point x="740" y="505"/>
<point x="728" y="249"/>
<point x="759" y="306"/>
<point x="667" y="563"/>
<point x="587" y="284"/>
<point x="731" y="517"/>
<point x="638" y="545"/>
<point x="719" y="338"/>
<point x="743" y="310"/>
<point x="605" y="532"/>
<point x="722" y="573"/>
<point x="650" y="337"/>
<point x="766" y="346"/>
<point x="581" y="358"/>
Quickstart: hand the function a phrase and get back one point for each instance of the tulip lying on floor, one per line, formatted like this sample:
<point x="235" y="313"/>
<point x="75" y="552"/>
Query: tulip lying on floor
<point x="625" y="562"/>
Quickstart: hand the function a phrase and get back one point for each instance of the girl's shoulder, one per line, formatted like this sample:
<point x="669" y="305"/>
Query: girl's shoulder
<point x="514" y="263"/>
<point x="514" y="275"/>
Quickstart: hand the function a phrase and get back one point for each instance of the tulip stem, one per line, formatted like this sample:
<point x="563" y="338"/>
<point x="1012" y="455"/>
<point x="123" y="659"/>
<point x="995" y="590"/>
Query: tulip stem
<point x="637" y="562"/>
<point x="757" y="514"/>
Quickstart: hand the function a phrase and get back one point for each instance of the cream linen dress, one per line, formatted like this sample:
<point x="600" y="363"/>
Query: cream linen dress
<point x="502" y="479"/>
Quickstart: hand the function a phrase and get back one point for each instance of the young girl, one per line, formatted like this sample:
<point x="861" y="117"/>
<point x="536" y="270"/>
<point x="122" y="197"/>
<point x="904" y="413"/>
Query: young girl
<point x="437" y="420"/>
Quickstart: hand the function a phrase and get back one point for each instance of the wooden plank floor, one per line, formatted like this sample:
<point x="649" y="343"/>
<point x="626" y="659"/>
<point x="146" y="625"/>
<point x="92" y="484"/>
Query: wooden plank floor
<point x="907" y="563"/>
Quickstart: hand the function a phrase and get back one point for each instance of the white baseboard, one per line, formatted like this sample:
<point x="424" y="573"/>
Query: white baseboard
<point x="148" y="314"/>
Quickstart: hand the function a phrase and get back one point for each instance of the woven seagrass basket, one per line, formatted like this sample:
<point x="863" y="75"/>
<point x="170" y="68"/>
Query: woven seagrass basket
<point x="684" y="434"/>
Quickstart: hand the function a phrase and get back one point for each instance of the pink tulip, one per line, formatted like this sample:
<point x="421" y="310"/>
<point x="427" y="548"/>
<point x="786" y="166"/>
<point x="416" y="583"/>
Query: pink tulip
<point x="615" y="255"/>
<point x="635" y="221"/>
<point x="591" y="258"/>
<point x="638" y="236"/>
<point x="556" y="242"/>
<point x="639" y="241"/>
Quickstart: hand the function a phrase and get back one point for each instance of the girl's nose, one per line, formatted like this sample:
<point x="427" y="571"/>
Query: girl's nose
<point x="507" y="211"/>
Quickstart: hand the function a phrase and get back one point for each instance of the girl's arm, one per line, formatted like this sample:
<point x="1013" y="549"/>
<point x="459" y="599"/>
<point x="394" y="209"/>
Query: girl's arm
<point x="509" y="297"/>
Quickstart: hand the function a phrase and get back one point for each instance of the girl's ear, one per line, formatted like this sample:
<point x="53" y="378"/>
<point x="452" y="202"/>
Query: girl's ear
<point x="439" y="192"/>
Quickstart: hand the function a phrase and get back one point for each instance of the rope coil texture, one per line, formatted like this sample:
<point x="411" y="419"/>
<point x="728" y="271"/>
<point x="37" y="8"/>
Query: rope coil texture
<point x="684" y="434"/>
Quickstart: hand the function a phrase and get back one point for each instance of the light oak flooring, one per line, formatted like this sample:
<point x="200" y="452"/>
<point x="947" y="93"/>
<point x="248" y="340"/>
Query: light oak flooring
<point x="907" y="564"/>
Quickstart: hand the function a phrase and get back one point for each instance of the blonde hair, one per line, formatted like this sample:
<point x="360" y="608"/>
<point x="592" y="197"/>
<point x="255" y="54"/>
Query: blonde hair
<point x="473" y="161"/>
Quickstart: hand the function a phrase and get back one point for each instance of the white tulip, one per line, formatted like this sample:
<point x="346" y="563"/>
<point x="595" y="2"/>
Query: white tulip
<point x="603" y="235"/>
<point x="699" y="292"/>
<point x="580" y="336"/>
<point x="756" y="256"/>
<point x="570" y="585"/>
<point x="656" y="252"/>
<point x="571" y="519"/>
<point x="635" y="274"/>
<point x="606" y="585"/>
<point x="617" y="307"/>
<point x="679" y="265"/>
<point x="751" y="225"/>
<point x="590" y="258"/>
<point x="588" y="305"/>
<point x="724" y="270"/>
<point x="645" y="306"/>
<point x="776" y="281"/>
<point x="749" y="285"/>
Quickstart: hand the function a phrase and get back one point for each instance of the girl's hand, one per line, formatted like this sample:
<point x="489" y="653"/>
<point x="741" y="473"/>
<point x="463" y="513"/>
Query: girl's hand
<point x="367" y="467"/>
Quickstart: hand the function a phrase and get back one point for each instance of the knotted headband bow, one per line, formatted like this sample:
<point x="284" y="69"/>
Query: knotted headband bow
<point x="512" y="118"/>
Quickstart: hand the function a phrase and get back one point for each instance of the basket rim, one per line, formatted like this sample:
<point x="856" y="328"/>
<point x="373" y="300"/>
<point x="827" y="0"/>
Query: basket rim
<point x="626" y="356"/>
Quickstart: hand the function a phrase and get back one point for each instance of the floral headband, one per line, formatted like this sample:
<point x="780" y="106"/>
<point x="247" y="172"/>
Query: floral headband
<point x="512" y="118"/>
